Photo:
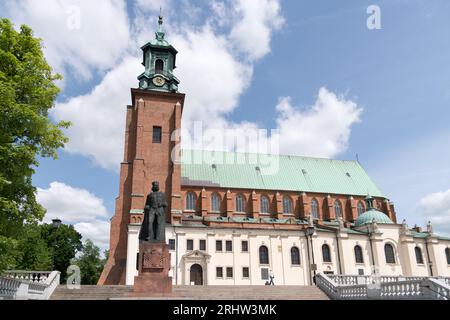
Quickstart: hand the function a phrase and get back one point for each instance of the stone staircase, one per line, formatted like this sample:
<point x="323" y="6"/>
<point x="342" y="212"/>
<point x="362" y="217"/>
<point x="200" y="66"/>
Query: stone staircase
<point x="196" y="293"/>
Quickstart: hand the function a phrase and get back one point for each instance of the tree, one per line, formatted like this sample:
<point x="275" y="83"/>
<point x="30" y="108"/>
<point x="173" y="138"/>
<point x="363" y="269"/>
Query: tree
<point x="90" y="263"/>
<point x="63" y="242"/>
<point x="27" y="93"/>
<point x="34" y="252"/>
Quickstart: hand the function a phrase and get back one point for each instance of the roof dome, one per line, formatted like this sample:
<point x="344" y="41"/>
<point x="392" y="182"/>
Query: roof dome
<point x="372" y="214"/>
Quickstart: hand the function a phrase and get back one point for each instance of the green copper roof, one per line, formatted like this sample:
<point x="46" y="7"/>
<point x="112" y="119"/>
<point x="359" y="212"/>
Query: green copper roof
<point x="275" y="172"/>
<point x="373" y="214"/>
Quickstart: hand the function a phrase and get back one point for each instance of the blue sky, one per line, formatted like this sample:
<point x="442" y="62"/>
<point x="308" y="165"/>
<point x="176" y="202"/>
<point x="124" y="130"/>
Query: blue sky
<point x="398" y="78"/>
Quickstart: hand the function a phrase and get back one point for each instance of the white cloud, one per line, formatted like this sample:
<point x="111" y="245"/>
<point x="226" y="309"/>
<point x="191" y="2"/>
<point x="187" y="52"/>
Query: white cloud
<point x="213" y="74"/>
<point x="436" y="208"/>
<point x="97" y="231"/>
<point x="213" y="78"/>
<point x="322" y="130"/>
<point x="98" y="118"/>
<point x="78" y="207"/>
<point x="79" y="36"/>
<point x="256" y="21"/>
<point x="70" y="204"/>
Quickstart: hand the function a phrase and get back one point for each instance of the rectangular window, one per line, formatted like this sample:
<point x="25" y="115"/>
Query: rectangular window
<point x="157" y="134"/>
<point x="229" y="272"/>
<point x="171" y="244"/>
<point x="202" y="245"/>
<point x="264" y="274"/>
<point x="244" y="246"/>
<point x="229" y="246"/>
<point x="219" y="272"/>
<point x="218" y="245"/>
<point x="190" y="245"/>
<point x="245" y="273"/>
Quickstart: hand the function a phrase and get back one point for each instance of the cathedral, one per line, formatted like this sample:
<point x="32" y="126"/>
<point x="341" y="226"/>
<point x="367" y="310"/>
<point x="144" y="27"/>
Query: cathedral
<point x="232" y="220"/>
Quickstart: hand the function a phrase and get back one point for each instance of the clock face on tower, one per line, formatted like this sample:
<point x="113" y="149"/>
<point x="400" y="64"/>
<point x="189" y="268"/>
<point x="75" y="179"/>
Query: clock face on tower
<point x="159" y="81"/>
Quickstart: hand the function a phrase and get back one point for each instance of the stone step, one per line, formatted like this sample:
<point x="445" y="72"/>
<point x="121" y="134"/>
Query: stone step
<point x="196" y="292"/>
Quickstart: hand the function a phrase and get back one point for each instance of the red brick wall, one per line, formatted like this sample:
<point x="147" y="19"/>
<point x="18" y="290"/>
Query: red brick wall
<point x="300" y="203"/>
<point x="144" y="162"/>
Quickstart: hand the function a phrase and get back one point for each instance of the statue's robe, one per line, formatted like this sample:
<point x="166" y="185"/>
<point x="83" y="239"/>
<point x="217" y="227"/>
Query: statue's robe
<point x="153" y="226"/>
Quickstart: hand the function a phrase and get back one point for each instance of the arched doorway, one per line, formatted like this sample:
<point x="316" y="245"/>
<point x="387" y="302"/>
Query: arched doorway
<point x="196" y="275"/>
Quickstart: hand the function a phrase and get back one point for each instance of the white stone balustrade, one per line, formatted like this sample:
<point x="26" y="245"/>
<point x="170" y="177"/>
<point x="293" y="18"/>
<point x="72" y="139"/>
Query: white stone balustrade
<point x="28" y="285"/>
<point x="342" y="287"/>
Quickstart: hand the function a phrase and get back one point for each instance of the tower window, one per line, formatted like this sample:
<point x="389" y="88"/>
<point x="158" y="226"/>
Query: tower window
<point x="159" y="66"/>
<point x="157" y="134"/>
<point x="447" y="255"/>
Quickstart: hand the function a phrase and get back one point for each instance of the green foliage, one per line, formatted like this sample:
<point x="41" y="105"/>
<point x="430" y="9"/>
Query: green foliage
<point x="33" y="249"/>
<point x="27" y="93"/>
<point x="90" y="263"/>
<point x="63" y="243"/>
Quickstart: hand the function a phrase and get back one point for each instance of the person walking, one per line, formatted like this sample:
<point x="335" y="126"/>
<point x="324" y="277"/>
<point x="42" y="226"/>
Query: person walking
<point x="271" y="277"/>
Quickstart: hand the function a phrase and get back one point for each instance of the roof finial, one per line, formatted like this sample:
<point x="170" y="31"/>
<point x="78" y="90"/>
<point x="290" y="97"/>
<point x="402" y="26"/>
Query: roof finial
<point x="160" y="32"/>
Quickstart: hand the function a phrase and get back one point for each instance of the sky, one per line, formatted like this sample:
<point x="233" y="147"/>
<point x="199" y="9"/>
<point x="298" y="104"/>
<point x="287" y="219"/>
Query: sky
<point x="317" y="71"/>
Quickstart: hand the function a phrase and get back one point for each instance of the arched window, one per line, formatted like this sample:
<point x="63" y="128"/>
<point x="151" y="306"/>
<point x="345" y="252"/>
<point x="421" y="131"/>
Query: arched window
<point x="215" y="202"/>
<point x="389" y="253"/>
<point x="360" y="208"/>
<point x="338" y="209"/>
<point x="159" y="66"/>
<point x="419" y="257"/>
<point x="315" y="209"/>
<point x="358" y="255"/>
<point x="263" y="255"/>
<point x="190" y="201"/>
<point x="447" y="255"/>
<point x="295" y="256"/>
<point x="326" y="255"/>
<point x="264" y="204"/>
<point x="240" y="201"/>
<point x="287" y="205"/>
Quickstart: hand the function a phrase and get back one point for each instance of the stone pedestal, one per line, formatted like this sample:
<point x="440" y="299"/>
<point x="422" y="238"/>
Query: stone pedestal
<point x="154" y="265"/>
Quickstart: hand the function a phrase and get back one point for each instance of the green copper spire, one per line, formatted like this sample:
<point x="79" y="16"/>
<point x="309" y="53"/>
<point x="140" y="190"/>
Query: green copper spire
<point x="159" y="61"/>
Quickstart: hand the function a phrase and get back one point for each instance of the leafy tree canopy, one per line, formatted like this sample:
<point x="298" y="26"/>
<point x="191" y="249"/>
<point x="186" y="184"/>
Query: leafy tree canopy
<point x="27" y="93"/>
<point x="90" y="263"/>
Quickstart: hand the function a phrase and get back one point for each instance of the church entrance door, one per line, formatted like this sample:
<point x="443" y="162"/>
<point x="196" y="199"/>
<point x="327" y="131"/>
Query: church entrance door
<point x="197" y="274"/>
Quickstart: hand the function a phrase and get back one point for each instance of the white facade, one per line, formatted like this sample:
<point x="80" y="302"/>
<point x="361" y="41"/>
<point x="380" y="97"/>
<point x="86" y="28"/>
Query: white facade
<point x="235" y="263"/>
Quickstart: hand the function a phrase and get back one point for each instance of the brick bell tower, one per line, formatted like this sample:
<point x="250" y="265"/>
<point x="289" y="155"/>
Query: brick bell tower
<point x="151" y="120"/>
